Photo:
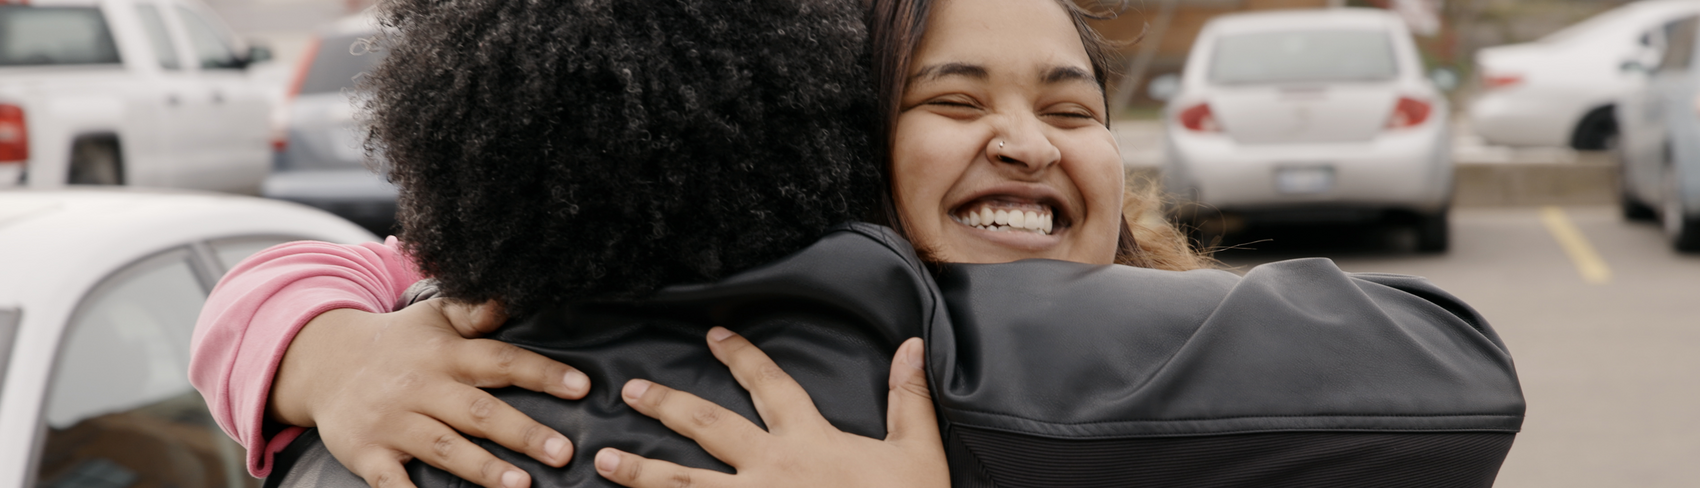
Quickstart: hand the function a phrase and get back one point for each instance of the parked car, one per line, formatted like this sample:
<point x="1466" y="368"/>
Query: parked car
<point x="97" y="304"/>
<point x="1561" y="89"/>
<point x="1310" y="115"/>
<point x="1660" y="145"/>
<point x="319" y="160"/>
<point x="127" y="92"/>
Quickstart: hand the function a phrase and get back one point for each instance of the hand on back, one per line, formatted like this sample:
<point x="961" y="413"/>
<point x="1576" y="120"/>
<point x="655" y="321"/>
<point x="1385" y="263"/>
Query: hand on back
<point x="799" y="448"/>
<point x="387" y="388"/>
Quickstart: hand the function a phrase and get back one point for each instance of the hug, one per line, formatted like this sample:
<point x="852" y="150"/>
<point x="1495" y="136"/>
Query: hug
<point x="701" y="238"/>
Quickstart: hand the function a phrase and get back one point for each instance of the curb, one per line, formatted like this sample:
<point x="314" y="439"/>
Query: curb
<point x="1587" y="181"/>
<point x="1521" y="184"/>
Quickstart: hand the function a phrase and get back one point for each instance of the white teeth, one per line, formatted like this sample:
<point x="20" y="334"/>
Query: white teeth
<point x="1007" y="220"/>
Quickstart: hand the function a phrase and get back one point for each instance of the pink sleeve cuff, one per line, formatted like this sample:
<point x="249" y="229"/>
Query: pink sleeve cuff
<point x="256" y="310"/>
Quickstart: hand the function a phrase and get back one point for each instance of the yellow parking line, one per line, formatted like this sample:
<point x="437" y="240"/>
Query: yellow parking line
<point x="1588" y="262"/>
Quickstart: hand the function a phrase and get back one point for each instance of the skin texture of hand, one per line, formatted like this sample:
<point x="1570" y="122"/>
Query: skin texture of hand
<point x="384" y="389"/>
<point x="800" y="448"/>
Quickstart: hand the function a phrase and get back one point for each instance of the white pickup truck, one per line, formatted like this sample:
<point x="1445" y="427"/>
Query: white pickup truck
<point x="128" y="92"/>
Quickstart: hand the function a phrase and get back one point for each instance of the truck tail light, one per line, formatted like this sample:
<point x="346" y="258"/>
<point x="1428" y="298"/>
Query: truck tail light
<point x="1198" y="118"/>
<point x="1409" y="112"/>
<point x="14" y="135"/>
<point x="280" y="123"/>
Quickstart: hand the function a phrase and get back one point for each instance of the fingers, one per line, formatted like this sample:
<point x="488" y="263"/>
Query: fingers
<point x="479" y="414"/>
<point x="382" y="468"/>
<point x="909" y="411"/>
<point x="475" y="319"/>
<point x="493" y="364"/>
<point x="726" y="435"/>
<point x="779" y="400"/>
<point x="636" y="472"/>
<point x="438" y="445"/>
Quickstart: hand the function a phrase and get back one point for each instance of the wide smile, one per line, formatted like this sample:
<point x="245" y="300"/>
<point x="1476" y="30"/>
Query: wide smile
<point x="1000" y="215"/>
<point x="1022" y="217"/>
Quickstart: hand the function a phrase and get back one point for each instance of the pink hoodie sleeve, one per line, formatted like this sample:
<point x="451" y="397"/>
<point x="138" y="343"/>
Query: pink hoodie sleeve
<point x="254" y="313"/>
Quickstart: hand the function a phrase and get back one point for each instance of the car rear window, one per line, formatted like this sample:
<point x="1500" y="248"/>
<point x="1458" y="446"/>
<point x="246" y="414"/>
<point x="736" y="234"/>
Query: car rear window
<point x="337" y="62"/>
<point x="1303" y="56"/>
<point x="36" y="36"/>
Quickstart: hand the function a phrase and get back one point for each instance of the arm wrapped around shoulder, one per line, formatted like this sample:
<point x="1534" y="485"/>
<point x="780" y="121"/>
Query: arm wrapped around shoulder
<point x="1295" y="374"/>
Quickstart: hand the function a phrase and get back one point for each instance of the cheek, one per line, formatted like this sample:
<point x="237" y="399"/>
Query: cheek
<point x="923" y="169"/>
<point x="1095" y="165"/>
<point x="1096" y="170"/>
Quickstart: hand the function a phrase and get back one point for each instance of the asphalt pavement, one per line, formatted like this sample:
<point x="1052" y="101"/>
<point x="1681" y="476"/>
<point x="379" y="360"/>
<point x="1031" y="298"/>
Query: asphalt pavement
<point x="1601" y="316"/>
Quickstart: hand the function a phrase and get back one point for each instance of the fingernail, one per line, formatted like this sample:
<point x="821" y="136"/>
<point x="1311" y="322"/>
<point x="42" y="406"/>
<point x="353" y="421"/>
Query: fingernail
<point x="513" y="479"/>
<point x="634" y="390"/>
<point x="718" y="334"/>
<point x="607" y="461"/>
<point x="912" y="354"/>
<point x="554" y="446"/>
<point x="575" y="382"/>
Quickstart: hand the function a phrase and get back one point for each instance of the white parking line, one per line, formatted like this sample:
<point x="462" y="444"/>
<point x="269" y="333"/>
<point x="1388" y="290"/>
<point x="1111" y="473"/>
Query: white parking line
<point x="1588" y="262"/>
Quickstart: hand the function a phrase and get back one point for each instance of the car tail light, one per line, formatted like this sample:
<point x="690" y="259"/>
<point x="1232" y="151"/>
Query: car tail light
<point x="1493" y="82"/>
<point x="1409" y="112"/>
<point x="280" y="125"/>
<point x="1198" y="118"/>
<point x="14" y="135"/>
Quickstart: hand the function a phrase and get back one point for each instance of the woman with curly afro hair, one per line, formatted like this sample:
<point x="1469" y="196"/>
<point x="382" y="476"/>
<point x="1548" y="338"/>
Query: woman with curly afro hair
<point x="554" y="150"/>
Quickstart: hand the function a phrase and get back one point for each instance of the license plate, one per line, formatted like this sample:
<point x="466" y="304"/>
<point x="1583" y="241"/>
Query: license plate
<point x="1304" y="179"/>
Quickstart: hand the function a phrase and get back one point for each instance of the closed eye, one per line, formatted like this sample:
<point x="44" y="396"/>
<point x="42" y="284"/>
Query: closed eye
<point x="1071" y="114"/>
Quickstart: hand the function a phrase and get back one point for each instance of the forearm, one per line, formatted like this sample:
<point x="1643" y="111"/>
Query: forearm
<point x="254" y="313"/>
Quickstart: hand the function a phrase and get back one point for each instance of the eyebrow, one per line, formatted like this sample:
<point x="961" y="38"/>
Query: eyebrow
<point x="951" y="69"/>
<point x="1059" y="74"/>
<point x="1068" y="73"/>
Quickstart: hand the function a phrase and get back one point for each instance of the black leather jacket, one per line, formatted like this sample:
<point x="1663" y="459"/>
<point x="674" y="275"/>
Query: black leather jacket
<point x="1050" y="373"/>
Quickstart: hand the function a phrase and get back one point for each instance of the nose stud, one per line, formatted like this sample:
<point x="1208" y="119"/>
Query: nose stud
<point x="1000" y="144"/>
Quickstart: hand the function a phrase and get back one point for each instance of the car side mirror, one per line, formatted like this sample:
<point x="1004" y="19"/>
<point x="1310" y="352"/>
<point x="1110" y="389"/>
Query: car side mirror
<point x="1163" y="87"/>
<point x="1444" y="78"/>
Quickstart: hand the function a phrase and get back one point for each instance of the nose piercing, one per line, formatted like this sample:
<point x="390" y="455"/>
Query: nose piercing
<point x="1000" y="144"/>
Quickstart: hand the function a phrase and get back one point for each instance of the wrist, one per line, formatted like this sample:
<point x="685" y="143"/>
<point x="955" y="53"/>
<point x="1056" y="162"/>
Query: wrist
<point x="310" y="363"/>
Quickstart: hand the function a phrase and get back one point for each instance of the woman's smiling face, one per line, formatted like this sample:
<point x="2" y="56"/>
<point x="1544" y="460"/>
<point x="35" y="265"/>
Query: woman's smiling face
<point x="1000" y="151"/>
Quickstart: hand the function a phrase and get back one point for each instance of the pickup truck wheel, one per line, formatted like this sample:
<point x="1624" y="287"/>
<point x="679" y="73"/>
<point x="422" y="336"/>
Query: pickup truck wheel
<point x="96" y="163"/>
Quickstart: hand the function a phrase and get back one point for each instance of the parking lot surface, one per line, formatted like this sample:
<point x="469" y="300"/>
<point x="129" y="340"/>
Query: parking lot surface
<point x="1610" y="364"/>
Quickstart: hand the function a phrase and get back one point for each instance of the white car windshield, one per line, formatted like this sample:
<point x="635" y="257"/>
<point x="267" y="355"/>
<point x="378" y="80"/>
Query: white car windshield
<point x="1303" y="56"/>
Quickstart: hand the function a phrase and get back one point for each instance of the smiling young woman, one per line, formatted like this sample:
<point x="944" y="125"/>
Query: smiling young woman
<point x="1002" y="117"/>
<point x="998" y="137"/>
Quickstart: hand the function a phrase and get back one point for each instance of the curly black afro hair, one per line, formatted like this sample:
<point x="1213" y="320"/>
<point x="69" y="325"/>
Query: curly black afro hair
<point x="556" y="150"/>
